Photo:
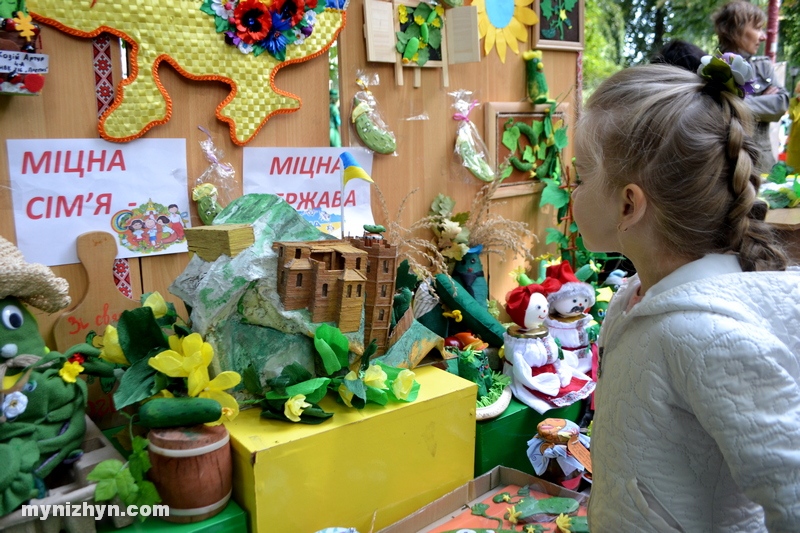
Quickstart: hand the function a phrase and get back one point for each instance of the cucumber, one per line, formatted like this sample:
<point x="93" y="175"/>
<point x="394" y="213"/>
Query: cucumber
<point x="173" y="412"/>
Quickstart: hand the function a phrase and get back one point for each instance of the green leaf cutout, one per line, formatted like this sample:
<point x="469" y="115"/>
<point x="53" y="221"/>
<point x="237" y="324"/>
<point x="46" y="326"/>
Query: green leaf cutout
<point x="314" y="389"/>
<point x="251" y="382"/>
<point x="332" y="346"/>
<point x="139" y="334"/>
<point x="511" y="138"/>
<point x="136" y="384"/>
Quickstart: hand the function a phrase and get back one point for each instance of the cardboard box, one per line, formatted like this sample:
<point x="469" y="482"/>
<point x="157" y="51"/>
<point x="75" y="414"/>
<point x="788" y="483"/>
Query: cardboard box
<point x="504" y="440"/>
<point x="387" y="461"/>
<point x="451" y="505"/>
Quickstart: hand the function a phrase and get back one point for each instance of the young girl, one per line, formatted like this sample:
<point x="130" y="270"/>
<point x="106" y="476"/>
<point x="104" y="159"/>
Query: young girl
<point x="697" y="422"/>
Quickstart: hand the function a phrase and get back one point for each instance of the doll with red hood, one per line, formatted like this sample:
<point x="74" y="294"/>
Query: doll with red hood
<point x="539" y="376"/>
<point x="570" y="300"/>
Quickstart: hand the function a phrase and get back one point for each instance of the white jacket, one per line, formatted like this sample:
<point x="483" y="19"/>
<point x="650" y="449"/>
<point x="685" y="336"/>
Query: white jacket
<point x="698" y="404"/>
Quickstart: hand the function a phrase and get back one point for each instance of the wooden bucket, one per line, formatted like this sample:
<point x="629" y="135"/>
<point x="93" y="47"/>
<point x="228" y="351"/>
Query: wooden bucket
<point x="192" y="470"/>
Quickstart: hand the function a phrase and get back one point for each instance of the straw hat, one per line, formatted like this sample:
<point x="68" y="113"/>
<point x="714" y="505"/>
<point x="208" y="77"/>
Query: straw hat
<point x="32" y="283"/>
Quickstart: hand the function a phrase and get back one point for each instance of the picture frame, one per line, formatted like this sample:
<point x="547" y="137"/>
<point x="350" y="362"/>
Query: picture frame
<point x="554" y="33"/>
<point x="496" y="115"/>
<point x="460" y="41"/>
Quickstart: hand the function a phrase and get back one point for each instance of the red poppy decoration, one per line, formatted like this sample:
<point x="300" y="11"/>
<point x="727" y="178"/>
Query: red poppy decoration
<point x="290" y="9"/>
<point x="77" y="358"/>
<point x="253" y="21"/>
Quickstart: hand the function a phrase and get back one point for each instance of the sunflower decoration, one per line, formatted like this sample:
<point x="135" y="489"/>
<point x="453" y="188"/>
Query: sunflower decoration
<point x="503" y="23"/>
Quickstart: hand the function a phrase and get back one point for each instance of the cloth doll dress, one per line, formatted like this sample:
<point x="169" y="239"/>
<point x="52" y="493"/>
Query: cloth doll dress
<point x="539" y="378"/>
<point x="574" y="338"/>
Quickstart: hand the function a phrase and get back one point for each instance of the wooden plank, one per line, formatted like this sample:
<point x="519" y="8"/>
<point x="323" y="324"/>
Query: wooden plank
<point x="784" y="219"/>
<point x="102" y="302"/>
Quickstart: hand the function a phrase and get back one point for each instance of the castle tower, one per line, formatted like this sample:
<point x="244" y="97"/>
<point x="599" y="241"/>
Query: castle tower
<point x="381" y="274"/>
<point x="326" y="277"/>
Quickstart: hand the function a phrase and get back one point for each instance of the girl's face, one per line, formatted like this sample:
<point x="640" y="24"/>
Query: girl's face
<point x="594" y="207"/>
<point x="136" y="225"/>
<point x="173" y="209"/>
<point x="751" y="38"/>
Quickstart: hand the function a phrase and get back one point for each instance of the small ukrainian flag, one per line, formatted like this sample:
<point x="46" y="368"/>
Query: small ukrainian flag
<point x="352" y="170"/>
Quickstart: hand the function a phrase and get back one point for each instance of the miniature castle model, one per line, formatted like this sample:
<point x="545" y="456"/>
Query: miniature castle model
<point x="326" y="277"/>
<point x="381" y="274"/>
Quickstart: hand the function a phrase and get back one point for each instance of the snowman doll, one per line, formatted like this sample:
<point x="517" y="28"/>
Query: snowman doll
<point x="539" y="376"/>
<point x="569" y="316"/>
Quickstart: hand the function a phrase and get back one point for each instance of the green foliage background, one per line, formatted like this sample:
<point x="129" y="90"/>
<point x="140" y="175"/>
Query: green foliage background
<point x="621" y="33"/>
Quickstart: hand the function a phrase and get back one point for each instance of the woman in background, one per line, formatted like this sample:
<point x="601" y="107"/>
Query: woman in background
<point x="740" y="29"/>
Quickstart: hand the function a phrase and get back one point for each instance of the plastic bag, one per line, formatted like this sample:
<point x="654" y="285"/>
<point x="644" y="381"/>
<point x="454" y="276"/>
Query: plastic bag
<point x="469" y="144"/>
<point x="367" y="119"/>
<point x="215" y="187"/>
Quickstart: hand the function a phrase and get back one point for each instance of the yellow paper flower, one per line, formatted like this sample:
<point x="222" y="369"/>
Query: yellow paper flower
<point x="401" y="386"/>
<point x="403" y="12"/>
<point x="185" y="357"/>
<point x="422" y="44"/>
<point x="455" y="315"/>
<point x="439" y="10"/>
<point x="215" y="390"/>
<point x="514" y="274"/>
<point x="344" y="392"/>
<point x="513" y="515"/>
<point x="504" y="22"/>
<point x="376" y="377"/>
<point x="437" y="23"/>
<point x="156" y="302"/>
<point x="419" y="20"/>
<point x="163" y="393"/>
<point x="506" y="497"/>
<point x="295" y="406"/>
<point x="562" y="14"/>
<point x="69" y="372"/>
<point x="111" y="350"/>
<point x="564" y="523"/>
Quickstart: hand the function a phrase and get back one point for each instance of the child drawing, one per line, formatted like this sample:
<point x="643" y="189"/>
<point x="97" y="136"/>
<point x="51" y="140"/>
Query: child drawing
<point x="176" y="223"/>
<point x="136" y="233"/>
<point x="164" y="226"/>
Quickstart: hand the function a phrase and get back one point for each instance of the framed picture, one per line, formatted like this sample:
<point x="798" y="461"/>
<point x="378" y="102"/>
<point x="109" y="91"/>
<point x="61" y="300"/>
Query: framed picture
<point x="499" y="117"/>
<point x="560" y="25"/>
<point x="450" y="38"/>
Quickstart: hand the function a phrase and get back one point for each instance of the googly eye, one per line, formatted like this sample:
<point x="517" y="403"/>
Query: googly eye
<point x="29" y="386"/>
<point x="12" y="317"/>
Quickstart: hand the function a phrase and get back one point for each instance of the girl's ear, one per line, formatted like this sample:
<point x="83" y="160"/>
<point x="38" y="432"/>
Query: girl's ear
<point x="633" y="206"/>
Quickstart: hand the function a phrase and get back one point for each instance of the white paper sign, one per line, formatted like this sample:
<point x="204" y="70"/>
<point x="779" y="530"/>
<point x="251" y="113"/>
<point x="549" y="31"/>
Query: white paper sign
<point x="62" y="188"/>
<point x="23" y="63"/>
<point x="310" y="180"/>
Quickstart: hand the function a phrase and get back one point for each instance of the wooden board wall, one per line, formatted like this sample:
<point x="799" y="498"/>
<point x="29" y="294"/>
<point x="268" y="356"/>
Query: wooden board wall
<point x="425" y="160"/>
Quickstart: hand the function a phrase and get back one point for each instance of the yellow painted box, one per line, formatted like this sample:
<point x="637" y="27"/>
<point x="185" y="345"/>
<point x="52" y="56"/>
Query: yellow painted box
<point x="387" y="461"/>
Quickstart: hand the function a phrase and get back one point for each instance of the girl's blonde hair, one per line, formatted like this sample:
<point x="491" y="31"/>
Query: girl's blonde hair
<point x="687" y="144"/>
<point x="732" y="19"/>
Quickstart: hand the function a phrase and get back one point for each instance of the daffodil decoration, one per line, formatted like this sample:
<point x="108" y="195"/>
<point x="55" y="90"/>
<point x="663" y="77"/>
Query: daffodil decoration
<point x="502" y="23"/>
<point x="153" y="365"/>
<point x="420" y="37"/>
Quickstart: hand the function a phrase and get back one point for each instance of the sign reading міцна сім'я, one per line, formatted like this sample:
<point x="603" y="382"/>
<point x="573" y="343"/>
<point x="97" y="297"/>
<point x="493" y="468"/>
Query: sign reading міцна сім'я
<point x="62" y="188"/>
